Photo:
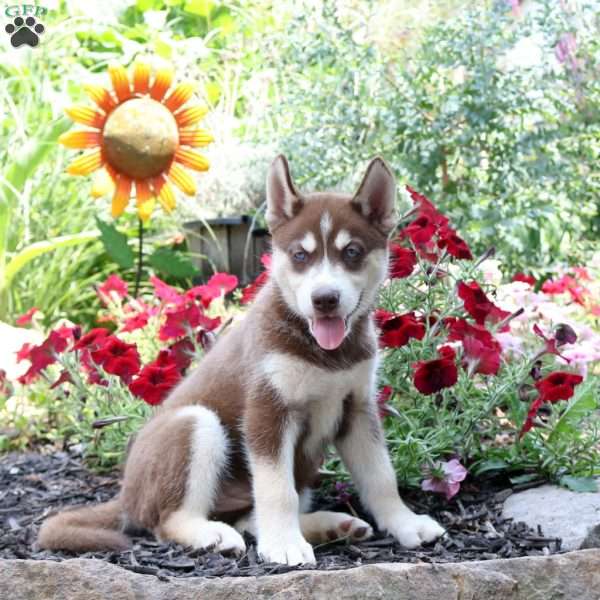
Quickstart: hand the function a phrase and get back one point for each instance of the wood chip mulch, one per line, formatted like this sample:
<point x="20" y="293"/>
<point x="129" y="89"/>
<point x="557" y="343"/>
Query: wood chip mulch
<point x="33" y="485"/>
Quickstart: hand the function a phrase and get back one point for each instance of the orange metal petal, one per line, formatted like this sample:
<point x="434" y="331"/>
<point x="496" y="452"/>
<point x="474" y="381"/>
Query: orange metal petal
<point x="80" y="139"/>
<point x="120" y="82"/>
<point x="162" y="82"/>
<point x="101" y="96"/>
<point x="181" y="94"/>
<point x="190" y="116"/>
<point x="141" y="77"/>
<point x="195" y="137"/>
<point x="183" y="180"/>
<point x="86" y="116"/>
<point x="86" y="164"/>
<point x="192" y="159"/>
<point x="142" y="191"/>
<point x="122" y="196"/>
<point x="164" y="190"/>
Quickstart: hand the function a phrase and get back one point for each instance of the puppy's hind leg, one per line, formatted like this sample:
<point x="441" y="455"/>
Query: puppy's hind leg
<point x="189" y="525"/>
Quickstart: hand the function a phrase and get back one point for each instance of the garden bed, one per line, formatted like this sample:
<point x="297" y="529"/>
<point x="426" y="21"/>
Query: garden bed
<point x="35" y="484"/>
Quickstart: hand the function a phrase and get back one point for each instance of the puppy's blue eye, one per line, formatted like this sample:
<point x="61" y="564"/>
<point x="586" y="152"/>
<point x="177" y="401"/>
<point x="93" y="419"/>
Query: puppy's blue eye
<point x="300" y="256"/>
<point x="352" y="252"/>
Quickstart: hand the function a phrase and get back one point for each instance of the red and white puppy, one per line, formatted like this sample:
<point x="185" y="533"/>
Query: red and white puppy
<point x="237" y="445"/>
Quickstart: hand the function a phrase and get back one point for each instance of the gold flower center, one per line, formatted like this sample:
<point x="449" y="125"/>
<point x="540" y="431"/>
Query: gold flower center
<point x="140" y="138"/>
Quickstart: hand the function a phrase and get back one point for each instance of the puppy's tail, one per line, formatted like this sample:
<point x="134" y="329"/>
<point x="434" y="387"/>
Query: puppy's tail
<point x="85" y="529"/>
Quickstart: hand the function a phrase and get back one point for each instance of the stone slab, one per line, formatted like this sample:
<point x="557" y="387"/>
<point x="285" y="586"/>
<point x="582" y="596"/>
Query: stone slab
<point x="570" y="576"/>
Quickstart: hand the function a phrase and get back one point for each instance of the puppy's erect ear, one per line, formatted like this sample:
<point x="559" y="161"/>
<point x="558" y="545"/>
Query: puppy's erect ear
<point x="283" y="200"/>
<point x="376" y="196"/>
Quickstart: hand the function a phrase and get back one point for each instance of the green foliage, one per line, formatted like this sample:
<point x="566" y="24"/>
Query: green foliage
<point x="116" y="245"/>
<point x="172" y="263"/>
<point x="509" y="150"/>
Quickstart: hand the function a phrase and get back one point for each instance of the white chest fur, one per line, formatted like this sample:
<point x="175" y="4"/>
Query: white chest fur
<point x="318" y="393"/>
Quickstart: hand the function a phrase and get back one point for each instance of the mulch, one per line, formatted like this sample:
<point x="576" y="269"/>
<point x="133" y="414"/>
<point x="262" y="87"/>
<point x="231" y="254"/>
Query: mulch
<point x="33" y="485"/>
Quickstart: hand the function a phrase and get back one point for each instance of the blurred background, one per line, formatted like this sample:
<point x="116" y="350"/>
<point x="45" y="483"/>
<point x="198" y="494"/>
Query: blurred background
<point x="491" y="108"/>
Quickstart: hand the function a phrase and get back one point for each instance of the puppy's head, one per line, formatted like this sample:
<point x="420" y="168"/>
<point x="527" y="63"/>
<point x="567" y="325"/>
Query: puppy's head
<point x="330" y="250"/>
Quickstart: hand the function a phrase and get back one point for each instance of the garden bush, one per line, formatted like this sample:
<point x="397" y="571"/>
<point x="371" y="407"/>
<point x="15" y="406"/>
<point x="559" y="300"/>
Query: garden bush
<point x="465" y="383"/>
<point x="509" y="149"/>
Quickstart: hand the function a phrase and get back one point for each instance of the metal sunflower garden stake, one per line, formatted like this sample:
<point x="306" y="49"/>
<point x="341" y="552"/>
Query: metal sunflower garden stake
<point x="139" y="138"/>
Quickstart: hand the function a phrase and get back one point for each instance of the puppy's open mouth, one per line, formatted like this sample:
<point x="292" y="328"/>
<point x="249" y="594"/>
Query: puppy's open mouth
<point x="328" y="331"/>
<point x="331" y="331"/>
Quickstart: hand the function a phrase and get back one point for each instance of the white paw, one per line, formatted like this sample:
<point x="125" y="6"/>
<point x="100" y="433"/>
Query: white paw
<point x="287" y="550"/>
<point x="412" y="530"/>
<point x="219" y="537"/>
<point x="326" y="526"/>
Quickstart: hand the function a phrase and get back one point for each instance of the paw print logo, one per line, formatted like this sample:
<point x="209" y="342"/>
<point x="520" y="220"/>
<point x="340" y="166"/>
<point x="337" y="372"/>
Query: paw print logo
<point x="25" y="31"/>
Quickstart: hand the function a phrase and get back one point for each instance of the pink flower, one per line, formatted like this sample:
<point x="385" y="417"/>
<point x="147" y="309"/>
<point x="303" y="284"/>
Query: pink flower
<point x="112" y="290"/>
<point x="445" y="478"/>
<point x="565" y="49"/>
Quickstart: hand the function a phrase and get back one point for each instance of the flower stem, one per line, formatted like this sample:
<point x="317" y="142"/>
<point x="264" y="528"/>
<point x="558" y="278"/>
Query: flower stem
<point x="140" y="258"/>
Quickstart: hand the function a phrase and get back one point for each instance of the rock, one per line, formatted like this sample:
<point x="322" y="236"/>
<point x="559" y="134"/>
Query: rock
<point x="592" y="539"/>
<point x="560" y="512"/>
<point x="572" y="575"/>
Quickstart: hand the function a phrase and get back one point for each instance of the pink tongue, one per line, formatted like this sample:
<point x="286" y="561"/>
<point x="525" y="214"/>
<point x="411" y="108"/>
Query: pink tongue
<point x="329" y="332"/>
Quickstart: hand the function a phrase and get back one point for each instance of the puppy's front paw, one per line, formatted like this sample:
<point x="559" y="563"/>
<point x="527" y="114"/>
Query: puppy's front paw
<point x="412" y="530"/>
<point x="287" y="550"/>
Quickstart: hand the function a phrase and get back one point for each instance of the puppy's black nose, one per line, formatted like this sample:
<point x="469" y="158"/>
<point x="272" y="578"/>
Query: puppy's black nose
<point x="326" y="300"/>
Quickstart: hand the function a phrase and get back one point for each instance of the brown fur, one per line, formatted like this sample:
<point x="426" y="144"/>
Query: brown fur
<point x="158" y="464"/>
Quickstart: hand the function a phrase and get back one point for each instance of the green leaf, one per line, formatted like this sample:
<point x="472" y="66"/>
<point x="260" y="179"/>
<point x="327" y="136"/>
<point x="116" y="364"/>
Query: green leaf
<point x="583" y="402"/>
<point x="115" y="244"/>
<point x="172" y="263"/>
<point x="526" y="478"/>
<point x="579" y="484"/>
<point x="27" y="254"/>
<point x="493" y="464"/>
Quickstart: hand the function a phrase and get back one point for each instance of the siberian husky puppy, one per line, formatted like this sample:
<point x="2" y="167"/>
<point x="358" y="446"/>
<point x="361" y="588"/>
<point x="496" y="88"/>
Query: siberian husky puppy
<point x="237" y="445"/>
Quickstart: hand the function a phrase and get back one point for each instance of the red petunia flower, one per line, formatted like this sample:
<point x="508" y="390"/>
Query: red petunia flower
<point x="403" y="261"/>
<point x="113" y="289"/>
<point x="92" y="340"/>
<point x="46" y="353"/>
<point x="434" y="375"/>
<point x="63" y="378"/>
<point x="180" y="320"/>
<point x="218" y="285"/>
<point x="155" y="382"/>
<point x="181" y="353"/>
<point x="564" y="335"/>
<point x="529" y="279"/>
<point x="397" y="330"/>
<point x="420" y="231"/>
<point x="427" y="208"/>
<point x="455" y="245"/>
<point x="23" y="352"/>
<point x="117" y="358"/>
<point x="383" y="396"/>
<point x="166" y="293"/>
<point x="250" y="291"/>
<point x="134" y="323"/>
<point x="27" y="317"/>
<point x="481" y="350"/>
<point x="557" y="386"/>
<point x="478" y="305"/>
